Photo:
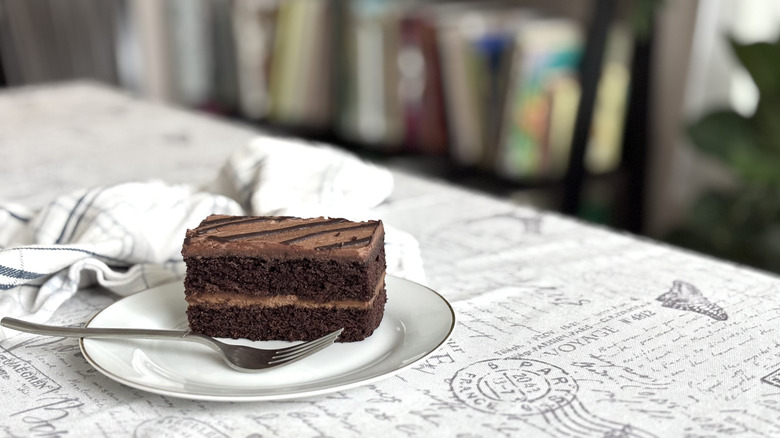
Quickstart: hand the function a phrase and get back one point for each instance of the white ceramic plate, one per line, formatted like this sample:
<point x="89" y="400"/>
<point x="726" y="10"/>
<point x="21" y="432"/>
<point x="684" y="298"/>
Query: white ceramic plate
<point x="417" y="321"/>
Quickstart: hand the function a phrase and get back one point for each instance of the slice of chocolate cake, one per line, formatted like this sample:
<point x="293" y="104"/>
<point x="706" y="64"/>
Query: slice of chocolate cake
<point x="284" y="278"/>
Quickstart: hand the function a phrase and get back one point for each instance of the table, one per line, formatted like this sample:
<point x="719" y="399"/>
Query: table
<point x="564" y="329"/>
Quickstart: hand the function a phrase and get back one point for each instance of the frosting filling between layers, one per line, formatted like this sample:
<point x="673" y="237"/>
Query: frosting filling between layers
<point x="241" y="300"/>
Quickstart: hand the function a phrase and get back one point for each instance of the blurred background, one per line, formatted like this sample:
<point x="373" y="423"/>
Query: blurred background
<point x="656" y="117"/>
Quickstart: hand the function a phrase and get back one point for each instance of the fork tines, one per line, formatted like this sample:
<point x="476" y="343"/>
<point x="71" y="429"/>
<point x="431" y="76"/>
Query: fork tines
<point x="305" y="349"/>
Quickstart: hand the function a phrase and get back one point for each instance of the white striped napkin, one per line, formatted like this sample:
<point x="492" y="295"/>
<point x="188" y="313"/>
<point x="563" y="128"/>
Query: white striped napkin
<point x="128" y="237"/>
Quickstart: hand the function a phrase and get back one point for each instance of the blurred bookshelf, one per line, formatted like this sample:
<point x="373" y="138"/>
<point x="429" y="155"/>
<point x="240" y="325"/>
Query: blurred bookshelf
<point x="518" y="98"/>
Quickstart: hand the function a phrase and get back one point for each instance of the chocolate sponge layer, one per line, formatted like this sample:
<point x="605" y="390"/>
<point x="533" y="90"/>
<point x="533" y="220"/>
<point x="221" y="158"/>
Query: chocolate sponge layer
<point x="290" y="323"/>
<point x="310" y="279"/>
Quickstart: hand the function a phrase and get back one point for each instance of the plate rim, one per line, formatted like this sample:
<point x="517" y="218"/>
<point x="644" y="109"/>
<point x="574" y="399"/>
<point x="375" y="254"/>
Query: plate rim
<point x="300" y="393"/>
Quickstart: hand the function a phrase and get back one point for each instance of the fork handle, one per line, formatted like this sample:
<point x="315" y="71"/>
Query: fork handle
<point x="89" y="332"/>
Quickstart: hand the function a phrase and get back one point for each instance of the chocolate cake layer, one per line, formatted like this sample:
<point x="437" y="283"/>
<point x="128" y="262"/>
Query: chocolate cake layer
<point x="312" y="279"/>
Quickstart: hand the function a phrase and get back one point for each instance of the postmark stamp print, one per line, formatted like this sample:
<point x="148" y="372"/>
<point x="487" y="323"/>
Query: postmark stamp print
<point x="514" y="386"/>
<point x="537" y="393"/>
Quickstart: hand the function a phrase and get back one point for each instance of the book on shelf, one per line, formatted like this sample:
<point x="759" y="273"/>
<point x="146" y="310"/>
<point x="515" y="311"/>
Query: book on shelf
<point x="466" y="143"/>
<point x="545" y="63"/>
<point x="420" y="87"/>
<point x="475" y="42"/>
<point x="254" y="23"/>
<point x="301" y="64"/>
<point x="189" y="51"/>
<point x="225" y="94"/>
<point x="370" y="108"/>
<point x="286" y="72"/>
<point x="393" y="99"/>
<point x="605" y="144"/>
<point x="483" y="48"/>
<point x="147" y="18"/>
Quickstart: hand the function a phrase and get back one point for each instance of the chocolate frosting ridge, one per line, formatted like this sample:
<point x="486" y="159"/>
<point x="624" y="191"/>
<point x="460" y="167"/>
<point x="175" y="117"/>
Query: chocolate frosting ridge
<point x="284" y="237"/>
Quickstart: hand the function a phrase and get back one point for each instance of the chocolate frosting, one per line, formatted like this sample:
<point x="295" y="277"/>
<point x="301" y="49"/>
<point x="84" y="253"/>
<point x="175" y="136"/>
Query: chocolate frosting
<point x="284" y="237"/>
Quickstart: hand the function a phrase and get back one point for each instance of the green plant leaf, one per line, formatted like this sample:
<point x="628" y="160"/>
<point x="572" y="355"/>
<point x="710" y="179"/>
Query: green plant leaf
<point x="735" y="141"/>
<point x="766" y="120"/>
<point x="762" y="61"/>
<point x="721" y="133"/>
<point x="756" y="168"/>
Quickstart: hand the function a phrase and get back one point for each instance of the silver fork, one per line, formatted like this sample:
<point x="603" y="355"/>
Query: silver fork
<point x="239" y="357"/>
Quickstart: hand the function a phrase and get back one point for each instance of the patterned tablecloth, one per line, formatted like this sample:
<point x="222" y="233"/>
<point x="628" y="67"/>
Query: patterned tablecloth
<point x="563" y="329"/>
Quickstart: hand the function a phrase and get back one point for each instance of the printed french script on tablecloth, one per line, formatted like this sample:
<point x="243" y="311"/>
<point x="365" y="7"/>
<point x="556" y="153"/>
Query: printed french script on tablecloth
<point x="627" y="369"/>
